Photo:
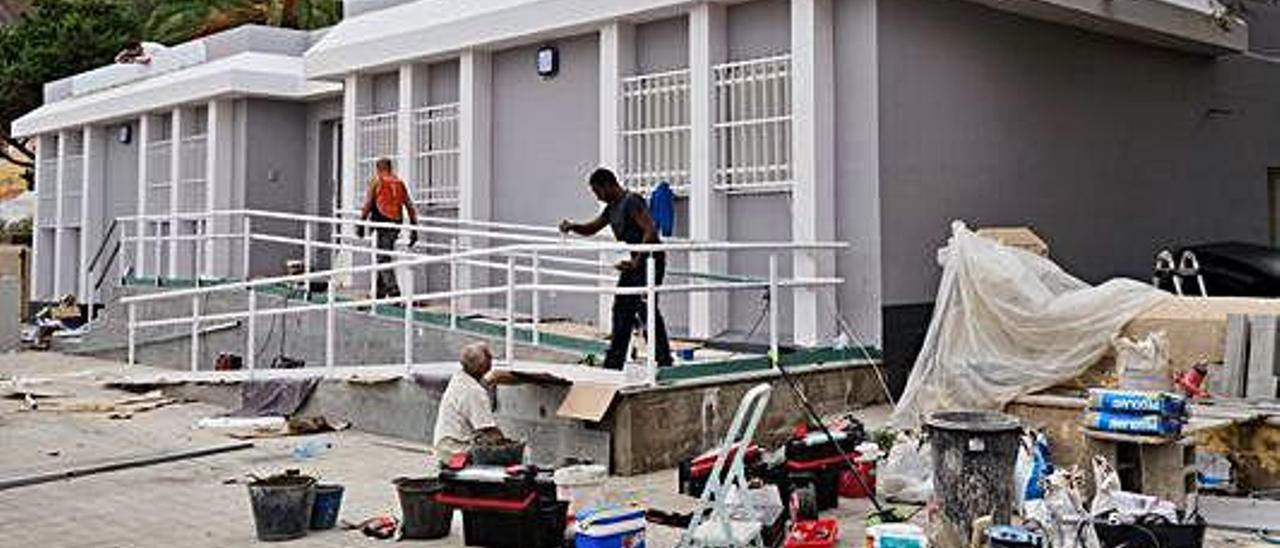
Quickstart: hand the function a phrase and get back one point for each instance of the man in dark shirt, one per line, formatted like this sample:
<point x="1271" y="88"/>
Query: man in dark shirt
<point x="626" y="213"/>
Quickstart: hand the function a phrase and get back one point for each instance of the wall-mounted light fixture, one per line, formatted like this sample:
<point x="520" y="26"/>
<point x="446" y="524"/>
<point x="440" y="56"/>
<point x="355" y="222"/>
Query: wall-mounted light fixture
<point x="548" y="61"/>
<point x="124" y="134"/>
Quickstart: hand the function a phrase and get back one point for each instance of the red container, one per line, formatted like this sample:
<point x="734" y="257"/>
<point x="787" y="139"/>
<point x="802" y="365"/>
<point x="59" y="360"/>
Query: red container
<point x="849" y="486"/>
<point x="821" y="533"/>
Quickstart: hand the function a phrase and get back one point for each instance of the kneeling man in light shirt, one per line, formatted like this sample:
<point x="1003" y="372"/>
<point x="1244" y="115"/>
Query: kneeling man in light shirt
<point x="465" y="417"/>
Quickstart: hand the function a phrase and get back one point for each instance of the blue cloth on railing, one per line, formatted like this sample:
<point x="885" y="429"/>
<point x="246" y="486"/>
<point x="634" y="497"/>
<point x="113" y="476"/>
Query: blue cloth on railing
<point x="662" y="206"/>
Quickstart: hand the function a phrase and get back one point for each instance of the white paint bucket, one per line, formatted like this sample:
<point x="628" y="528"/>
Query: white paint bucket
<point x="897" y="535"/>
<point x="581" y="485"/>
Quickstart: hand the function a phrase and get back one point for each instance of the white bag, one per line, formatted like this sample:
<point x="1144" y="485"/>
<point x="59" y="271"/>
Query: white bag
<point x="1143" y="364"/>
<point x="906" y="475"/>
<point x="1008" y="322"/>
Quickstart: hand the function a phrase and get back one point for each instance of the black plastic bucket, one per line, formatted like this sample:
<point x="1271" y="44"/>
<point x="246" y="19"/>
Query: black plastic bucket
<point x="424" y="518"/>
<point x="282" y="506"/>
<point x="974" y="453"/>
<point x="324" y="511"/>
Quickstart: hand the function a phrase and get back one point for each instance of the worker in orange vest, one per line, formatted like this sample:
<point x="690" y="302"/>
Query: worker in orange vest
<point x="387" y="200"/>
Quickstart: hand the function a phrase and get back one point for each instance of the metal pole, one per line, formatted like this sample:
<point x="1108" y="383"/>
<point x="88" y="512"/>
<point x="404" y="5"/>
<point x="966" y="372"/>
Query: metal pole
<point x="511" y="310"/>
<point x="195" y="332"/>
<point x="250" y="341"/>
<point x="408" y="320"/>
<point x="133" y="333"/>
<point x="307" y="251"/>
<point x="160" y="242"/>
<point x="773" y="306"/>
<point x="537" y="300"/>
<point x="373" y="274"/>
<point x="244" y="248"/>
<point x="453" y="283"/>
<point x="197" y="244"/>
<point x="330" y="317"/>
<point x="651" y="309"/>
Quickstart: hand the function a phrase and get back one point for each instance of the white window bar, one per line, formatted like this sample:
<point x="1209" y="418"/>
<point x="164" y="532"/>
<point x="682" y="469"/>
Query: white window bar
<point x="377" y="139"/>
<point x="73" y="179"/>
<point x="47" y="181"/>
<point x="434" y="175"/>
<point x="752" y="125"/>
<point x="159" y="179"/>
<point x="654" y="132"/>
<point x="191" y="180"/>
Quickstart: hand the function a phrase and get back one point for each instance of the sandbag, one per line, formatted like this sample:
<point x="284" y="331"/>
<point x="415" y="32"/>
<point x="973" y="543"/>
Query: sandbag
<point x="1007" y="322"/>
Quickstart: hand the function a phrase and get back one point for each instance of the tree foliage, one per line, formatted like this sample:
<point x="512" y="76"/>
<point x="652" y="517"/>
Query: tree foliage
<point x="53" y="40"/>
<point x="181" y="20"/>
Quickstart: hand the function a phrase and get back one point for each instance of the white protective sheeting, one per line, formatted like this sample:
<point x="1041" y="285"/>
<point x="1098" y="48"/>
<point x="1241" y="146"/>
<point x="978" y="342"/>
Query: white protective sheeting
<point x="1007" y="322"/>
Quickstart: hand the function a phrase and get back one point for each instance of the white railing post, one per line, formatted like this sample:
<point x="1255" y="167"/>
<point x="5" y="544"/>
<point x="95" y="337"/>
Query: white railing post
<point x="160" y="243"/>
<point x="536" y="296"/>
<point x="251" y="339"/>
<point x="407" y="292"/>
<point x="510" y="348"/>
<point x="330" y="321"/>
<point x="247" y="227"/>
<point x="651" y="311"/>
<point x="195" y="332"/>
<point x="307" y="251"/>
<point x="453" y="283"/>
<point x="373" y="274"/>
<point x="773" y="307"/>
<point x="198" y="244"/>
<point x="133" y="333"/>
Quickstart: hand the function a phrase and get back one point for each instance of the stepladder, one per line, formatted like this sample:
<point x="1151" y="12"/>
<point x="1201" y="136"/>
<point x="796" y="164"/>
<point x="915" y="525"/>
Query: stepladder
<point x="718" y="520"/>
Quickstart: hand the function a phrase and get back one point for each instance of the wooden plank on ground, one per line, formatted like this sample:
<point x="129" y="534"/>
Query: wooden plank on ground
<point x="1235" y="359"/>
<point x="1260" y="379"/>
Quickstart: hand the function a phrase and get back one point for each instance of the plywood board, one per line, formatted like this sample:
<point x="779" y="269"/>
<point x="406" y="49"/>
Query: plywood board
<point x="1230" y="380"/>
<point x="1260" y="380"/>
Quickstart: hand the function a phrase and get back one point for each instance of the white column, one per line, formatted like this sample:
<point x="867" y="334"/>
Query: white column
<point x="219" y="184"/>
<point x="90" y="206"/>
<point x="708" y="218"/>
<point x="59" y="246"/>
<point x="617" y="59"/>
<point x="813" y="161"/>
<point x="475" y="132"/>
<point x="347" y="184"/>
<point x="176" y="194"/>
<point x="140" y="228"/>
<point x="404" y="144"/>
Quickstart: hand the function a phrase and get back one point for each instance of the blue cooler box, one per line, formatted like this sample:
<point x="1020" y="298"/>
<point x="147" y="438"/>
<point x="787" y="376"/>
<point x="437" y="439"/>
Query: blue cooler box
<point x="610" y="528"/>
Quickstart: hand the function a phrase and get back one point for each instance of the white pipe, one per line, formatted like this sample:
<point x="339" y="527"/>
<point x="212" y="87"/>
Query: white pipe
<point x="510" y="349"/>
<point x="246" y="225"/>
<point x="651" y="309"/>
<point x="307" y="251"/>
<point x="195" y="332"/>
<point x="249" y="357"/>
<point x="407" y="290"/>
<point x="330" y="321"/>
<point x="133" y="333"/>
<point x="773" y="307"/>
<point x="453" y="283"/>
<point x="536" y="297"/>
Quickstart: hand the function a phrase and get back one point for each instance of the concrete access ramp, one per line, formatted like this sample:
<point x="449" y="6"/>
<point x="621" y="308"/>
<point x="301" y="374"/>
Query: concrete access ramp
<point x="564" y="411"/>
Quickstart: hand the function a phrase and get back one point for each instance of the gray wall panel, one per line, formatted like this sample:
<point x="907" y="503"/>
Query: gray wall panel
<point x="758" y="218"/>
<point x="662" y="45"/>
<point x="759" y="29"/>
<point x="121" y="177"/>
<point x="1108" y="148"/>
<point x="443" y="82"/>
<point x="275" y="175"/>
<point x="545" y="143"/>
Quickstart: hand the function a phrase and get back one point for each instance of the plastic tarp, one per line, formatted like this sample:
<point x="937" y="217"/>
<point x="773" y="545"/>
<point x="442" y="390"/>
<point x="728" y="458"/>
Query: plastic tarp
<point x="1006" y="323"/>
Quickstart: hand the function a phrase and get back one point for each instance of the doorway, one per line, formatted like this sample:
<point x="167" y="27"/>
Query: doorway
<point x="1273" y="205"/>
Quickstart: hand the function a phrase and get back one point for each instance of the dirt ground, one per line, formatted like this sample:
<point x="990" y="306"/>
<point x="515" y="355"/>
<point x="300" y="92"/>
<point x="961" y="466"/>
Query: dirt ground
<point x="204" y="502"/>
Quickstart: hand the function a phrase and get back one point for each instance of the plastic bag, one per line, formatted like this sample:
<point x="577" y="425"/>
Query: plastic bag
<point x="1007" y="322"/>
<point x="906" y="475"/>
<point x="1032" y="468"/>
<point x="1143" y="364"/>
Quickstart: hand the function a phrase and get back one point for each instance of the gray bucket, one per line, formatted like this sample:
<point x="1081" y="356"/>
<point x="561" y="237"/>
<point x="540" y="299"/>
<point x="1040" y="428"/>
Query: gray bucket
<point x="282" y="506"/>
<point x="974" y="453"/>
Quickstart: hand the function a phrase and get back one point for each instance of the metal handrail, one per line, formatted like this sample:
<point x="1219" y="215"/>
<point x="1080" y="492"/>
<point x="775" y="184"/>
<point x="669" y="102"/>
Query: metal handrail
<point x="531" y="249"/>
